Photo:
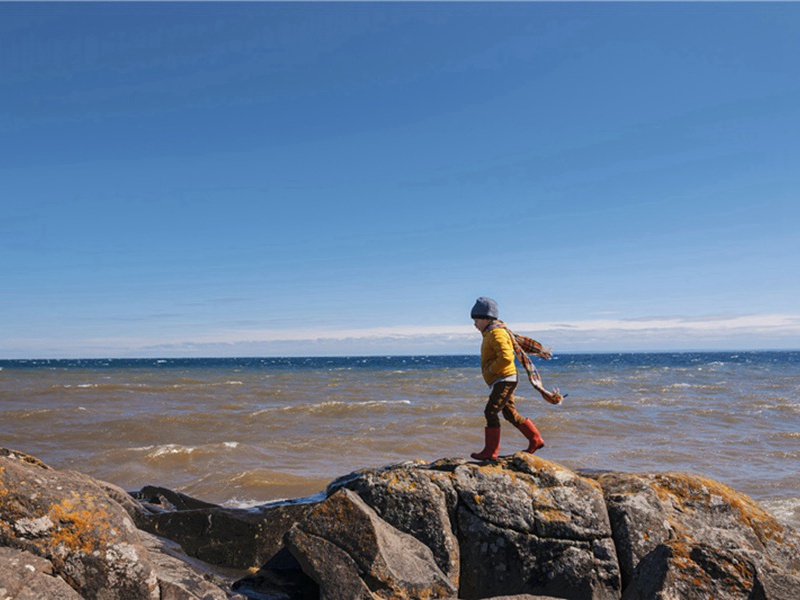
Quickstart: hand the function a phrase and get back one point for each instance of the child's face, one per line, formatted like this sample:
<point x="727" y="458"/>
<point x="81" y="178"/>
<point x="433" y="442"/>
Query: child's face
<point x="481" y="324"/>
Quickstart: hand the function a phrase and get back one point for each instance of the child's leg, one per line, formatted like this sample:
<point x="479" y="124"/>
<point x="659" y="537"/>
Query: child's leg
<point x="502" y="393"/>
<point x="510" y="412"/>
<point x="526" y="426"/>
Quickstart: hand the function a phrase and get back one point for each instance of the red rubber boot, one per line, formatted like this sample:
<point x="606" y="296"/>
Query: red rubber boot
<point x="529" y="430"/>
<point x="492" y="446"/>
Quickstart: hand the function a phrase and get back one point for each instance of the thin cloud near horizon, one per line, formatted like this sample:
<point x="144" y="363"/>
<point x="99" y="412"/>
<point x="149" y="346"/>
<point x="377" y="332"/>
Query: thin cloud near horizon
<point x="714" y="332"/>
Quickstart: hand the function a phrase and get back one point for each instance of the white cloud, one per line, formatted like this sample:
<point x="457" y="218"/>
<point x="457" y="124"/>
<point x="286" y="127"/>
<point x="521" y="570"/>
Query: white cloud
<point x="723" y="332"/>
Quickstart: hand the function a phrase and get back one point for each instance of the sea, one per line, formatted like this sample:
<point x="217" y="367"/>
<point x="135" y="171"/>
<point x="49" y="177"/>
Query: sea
<point x="247" y="431"/>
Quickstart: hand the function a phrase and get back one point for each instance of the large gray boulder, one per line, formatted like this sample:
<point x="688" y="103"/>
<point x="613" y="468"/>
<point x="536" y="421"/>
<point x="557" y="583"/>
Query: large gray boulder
<point x="417" y="499"/>
<point x="527" y="525"/>
<point x="519" y="525"/>
<point x="67" y="536"/>
<point x="352" y="553"/>
<point x="685" y="536"/>
<point x="67" y="518"/>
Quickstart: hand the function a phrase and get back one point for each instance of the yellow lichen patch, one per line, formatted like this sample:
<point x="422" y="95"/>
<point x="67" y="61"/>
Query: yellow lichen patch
<point x="78" y="527"/>
<point x="693" y="489"/>
<point x="593" y="483"/>
<point x="536" y="462"/>
<point x="552" y="514"/>
<point x="494" y="470"/>
<point x="477" y="498"/>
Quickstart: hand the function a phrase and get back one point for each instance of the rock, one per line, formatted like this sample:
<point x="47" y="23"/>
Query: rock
<point x="25" y="576"/>
<point x="352" y="553"/>
<point x="161" y="499"/>
<point x="523" y="597"/>
<point x="69" y="520"/>
<point x="518" y="528"/>
<point x="515" y="525"/>
<point x="637" y="519"/>
<point x="527" y="525"/>
<point x="416" y="499"/>
<point x="177" y="579"/>
<point x="282" y="577"/>
<point x="685" y="536"/>
<point x="238" y="538"/>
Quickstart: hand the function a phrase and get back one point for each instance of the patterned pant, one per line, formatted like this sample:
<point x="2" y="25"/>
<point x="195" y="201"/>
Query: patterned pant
<point x="502" y="399"/>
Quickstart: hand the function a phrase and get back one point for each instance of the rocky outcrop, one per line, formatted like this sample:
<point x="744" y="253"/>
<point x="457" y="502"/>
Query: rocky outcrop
<point x="685" y="536"/>
<point x="519" y="528"/>
<point x="63" y="535"/>
<point x="520" y="525"/>
<point x="68" y="519"/>
<point x="228" y="537"/>
<point x="352" y="553"/>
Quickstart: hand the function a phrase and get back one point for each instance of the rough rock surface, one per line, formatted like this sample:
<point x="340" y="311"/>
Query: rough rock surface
<point x="686" y="536"/>
<point x="65" y="535"/>
<point x="68" y="519"/>
<point x="177" y="580"/>
<point x="518" y="528"/>
<point x="25" y="576"/>
<point x="352" y="553"/>
<point x="417" y="501"/>
<point x="519" y="525"/>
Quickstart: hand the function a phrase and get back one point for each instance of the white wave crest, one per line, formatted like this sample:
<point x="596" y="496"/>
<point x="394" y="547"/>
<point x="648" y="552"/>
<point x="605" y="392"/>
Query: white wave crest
<point x="169" y="449"/>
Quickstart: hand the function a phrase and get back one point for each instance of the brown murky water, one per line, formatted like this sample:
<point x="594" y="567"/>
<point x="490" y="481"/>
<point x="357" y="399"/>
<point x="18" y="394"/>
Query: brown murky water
<point x="242" y="432"/>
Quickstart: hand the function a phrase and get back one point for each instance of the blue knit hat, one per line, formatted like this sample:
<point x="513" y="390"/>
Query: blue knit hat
<point x="485" y="308"/>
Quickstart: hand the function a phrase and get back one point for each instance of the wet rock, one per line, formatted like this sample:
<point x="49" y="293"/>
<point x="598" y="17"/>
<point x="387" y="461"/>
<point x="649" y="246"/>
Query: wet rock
<point x="230" y="537"/>
<point x="161" y="499"/>
<point x="69" y="520"/>
<point x="685" y="536"/>
<point x="25" y="576"/>
<point x="352" y="553"/>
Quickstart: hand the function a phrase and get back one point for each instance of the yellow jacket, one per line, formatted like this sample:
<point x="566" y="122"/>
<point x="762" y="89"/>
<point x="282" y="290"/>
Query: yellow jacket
<point x="497" y="355"/>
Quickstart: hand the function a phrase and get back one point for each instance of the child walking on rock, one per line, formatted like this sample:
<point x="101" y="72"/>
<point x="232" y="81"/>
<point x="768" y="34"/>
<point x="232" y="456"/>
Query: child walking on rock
<point x="499" y="349"/>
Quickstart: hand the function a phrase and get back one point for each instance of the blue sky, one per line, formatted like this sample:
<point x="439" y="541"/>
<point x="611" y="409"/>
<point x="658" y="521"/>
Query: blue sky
<point x="210" y="179"/>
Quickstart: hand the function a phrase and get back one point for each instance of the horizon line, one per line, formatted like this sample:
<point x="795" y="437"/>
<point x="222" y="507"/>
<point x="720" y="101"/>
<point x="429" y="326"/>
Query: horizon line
<point x="384" y="355"/>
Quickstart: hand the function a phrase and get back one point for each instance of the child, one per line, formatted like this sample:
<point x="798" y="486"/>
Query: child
<point x="499" y="348"/>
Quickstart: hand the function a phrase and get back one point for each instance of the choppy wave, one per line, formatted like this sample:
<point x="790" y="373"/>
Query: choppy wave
<point x="146" y="387"/>
<point x="170" y="450"/>
<point x="786" y="510"/>
<point x="333" y="406"/>
<point x="250" y="430"/>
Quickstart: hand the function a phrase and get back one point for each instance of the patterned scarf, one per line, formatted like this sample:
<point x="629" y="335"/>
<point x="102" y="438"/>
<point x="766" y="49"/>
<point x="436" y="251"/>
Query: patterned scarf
<point x="523" y="346"/>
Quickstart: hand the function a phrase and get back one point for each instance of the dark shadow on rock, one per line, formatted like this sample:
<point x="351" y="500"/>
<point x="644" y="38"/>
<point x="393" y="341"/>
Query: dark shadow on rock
<point x="280" y="578"/>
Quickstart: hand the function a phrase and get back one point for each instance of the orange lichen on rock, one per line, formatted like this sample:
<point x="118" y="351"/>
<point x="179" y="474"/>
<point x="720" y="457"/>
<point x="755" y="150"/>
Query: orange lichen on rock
<point x="688" y="492"/>
<point x="80" y="525"/>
